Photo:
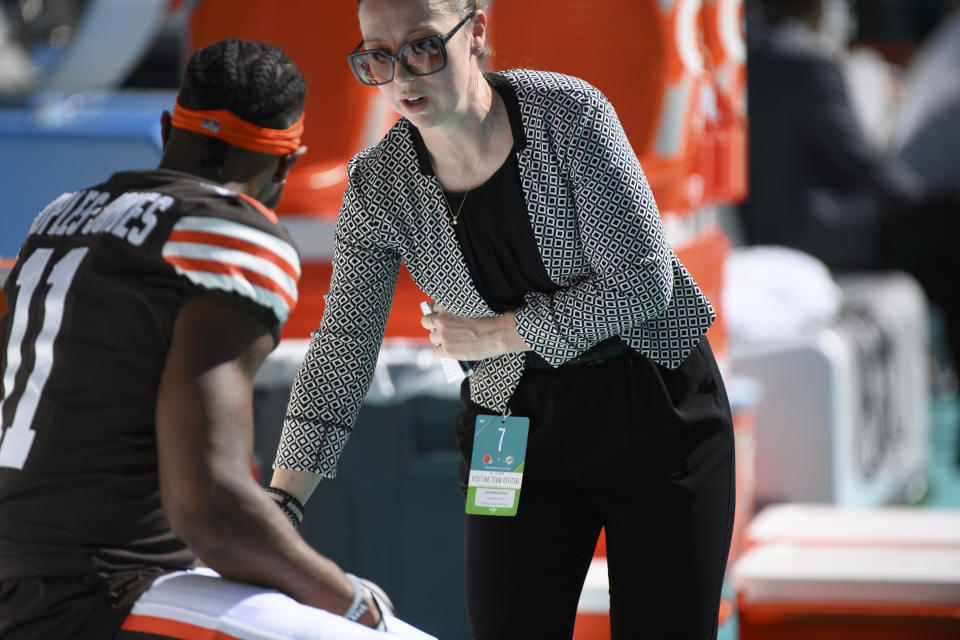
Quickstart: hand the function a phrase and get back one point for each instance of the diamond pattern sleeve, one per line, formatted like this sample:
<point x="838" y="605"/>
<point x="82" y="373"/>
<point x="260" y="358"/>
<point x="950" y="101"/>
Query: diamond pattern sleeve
<point x="338" y="367"/>
<point x="629" y="278"/>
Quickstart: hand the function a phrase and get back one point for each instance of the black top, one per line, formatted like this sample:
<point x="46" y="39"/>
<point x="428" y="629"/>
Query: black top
<point x="495" y="235"/>
<point x="493" y="226"/>
<point x="497" y="240"/>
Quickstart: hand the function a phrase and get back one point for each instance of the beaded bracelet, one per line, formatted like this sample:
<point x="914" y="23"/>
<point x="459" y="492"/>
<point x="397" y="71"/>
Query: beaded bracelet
<point x="289" y="504"/>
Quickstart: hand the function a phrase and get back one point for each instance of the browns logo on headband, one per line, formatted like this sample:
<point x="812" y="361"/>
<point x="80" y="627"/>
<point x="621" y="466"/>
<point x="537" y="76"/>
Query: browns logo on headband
<point x="224" y="125"/>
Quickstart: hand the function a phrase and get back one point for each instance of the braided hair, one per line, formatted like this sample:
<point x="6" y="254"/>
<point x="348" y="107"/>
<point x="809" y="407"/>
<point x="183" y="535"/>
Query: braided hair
<point x="254" y="81"/>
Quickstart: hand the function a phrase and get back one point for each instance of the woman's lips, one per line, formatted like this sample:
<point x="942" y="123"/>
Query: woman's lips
<point x="414" y="103"/>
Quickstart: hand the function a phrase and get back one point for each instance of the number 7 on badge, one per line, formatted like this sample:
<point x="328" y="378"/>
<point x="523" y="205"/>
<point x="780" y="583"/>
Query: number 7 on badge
<point x="496" y="468"/>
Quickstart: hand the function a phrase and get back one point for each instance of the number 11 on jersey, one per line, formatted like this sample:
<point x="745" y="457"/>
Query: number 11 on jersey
<point x="16" y="439"/>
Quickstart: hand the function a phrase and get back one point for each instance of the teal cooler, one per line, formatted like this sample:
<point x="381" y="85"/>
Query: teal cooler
<point x="394" y="513"/>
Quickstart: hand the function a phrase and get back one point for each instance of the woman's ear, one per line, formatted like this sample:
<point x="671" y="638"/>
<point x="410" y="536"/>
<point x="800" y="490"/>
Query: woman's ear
<point x="479" y="34"/>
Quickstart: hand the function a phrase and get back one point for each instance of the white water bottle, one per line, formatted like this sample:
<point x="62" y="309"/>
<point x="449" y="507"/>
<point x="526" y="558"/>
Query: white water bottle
<point x="453" y="370"/>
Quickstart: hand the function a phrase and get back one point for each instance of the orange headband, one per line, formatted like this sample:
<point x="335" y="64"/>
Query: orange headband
<point x="226" y="126"/>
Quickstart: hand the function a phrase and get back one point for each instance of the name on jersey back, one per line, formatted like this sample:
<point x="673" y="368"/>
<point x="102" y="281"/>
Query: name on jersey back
<point x="132" y="216"/>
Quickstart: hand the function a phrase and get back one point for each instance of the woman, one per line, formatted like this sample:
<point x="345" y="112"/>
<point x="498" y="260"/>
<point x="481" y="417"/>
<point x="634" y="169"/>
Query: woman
<point x="518" y="205"/>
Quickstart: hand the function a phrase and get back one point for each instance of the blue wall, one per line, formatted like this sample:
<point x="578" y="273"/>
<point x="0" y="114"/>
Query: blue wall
<point x="59" y="142"/>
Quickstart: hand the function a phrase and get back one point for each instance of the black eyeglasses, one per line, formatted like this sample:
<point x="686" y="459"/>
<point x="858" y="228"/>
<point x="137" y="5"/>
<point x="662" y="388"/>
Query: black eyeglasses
<point x="420" y="57"/>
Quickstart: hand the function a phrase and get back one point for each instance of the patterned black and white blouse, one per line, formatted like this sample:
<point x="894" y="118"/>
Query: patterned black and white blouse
<point x="597" y="228"/>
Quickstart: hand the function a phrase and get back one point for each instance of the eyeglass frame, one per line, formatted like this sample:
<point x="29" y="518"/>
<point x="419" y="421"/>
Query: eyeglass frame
<point x="396" y="58"/>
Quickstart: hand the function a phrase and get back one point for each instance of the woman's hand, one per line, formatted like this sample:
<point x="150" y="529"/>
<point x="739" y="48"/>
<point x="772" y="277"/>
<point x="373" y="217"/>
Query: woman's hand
<point x="472" y="338"/>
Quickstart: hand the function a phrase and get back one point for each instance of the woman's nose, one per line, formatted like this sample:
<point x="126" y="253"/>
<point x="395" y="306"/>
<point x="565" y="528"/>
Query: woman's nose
<point x="401" y="73"/>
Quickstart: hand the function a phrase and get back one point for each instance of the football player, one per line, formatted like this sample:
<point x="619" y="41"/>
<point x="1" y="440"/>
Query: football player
<point x="137" y="314"/>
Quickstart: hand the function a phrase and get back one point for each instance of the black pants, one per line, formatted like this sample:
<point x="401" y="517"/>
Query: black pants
<point x="643" y="451"/>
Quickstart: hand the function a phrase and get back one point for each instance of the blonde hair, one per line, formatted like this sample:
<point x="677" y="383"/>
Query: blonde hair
<point x="462" y="8"/>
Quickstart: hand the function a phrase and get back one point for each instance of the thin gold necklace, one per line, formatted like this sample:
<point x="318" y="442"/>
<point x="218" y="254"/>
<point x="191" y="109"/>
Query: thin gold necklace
<point x="455" y="216"/>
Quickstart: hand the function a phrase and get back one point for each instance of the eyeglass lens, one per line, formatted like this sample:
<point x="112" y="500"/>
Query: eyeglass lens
<point x="421" y="57"/>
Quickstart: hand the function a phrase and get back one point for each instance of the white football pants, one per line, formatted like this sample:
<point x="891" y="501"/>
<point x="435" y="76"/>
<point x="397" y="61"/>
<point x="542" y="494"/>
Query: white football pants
<point x="199" y="604"/>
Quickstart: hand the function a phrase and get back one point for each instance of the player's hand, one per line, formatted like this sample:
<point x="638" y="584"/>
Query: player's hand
<point x="379" y="603"/>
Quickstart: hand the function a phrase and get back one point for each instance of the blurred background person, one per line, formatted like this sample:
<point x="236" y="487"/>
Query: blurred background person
<point x="817" y="184"/>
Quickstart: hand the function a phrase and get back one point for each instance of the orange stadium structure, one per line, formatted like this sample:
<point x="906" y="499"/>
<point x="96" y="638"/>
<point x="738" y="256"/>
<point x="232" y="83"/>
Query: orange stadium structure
<point x="646" y="60"/>
<point x="726" y="58"/>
